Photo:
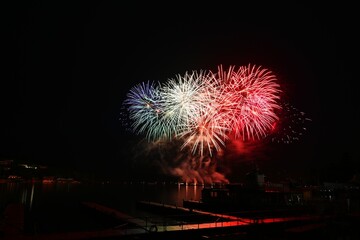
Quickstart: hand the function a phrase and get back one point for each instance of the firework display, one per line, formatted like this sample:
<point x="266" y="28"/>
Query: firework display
<point x="202" y="108"/>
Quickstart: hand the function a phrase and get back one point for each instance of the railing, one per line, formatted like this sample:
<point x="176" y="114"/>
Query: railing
<point x="189" y="220"/>
<point x="169" y="223"/>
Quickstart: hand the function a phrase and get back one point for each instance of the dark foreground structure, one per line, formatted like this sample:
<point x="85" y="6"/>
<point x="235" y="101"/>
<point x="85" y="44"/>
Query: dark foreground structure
<point x="188" y="223"/>
<point x="255" y="210"/>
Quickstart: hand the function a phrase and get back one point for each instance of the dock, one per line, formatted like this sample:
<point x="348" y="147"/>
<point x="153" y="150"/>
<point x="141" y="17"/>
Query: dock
<point x="204" y="222"/>
<point x="224" y="220"/>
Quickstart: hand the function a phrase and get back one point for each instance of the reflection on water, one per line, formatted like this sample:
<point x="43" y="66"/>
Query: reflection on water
<point x="186" y="192"/>
<point x="25" y="199"/>
<point x="13" y="192"/>
<point x="122" y="196"/>
<point x="51" y="207"/>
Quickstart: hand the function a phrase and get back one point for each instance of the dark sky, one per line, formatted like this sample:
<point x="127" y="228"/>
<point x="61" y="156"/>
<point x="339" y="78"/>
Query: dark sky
<point x="69" y="65"/>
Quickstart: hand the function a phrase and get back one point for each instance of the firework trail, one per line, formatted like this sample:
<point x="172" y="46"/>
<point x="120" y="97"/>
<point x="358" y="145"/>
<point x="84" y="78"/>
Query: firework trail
<point x="145" y="108"/>
<point x="250" y="97"/>
<point x="189" y="101"/>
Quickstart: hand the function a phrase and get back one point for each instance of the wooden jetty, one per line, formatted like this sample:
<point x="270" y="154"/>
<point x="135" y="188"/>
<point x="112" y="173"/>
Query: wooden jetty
<point x="138" y="226"/>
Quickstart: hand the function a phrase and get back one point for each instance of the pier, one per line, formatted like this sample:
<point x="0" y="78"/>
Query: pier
<point x="203" y="219"/>
<point x="178" y="221"/>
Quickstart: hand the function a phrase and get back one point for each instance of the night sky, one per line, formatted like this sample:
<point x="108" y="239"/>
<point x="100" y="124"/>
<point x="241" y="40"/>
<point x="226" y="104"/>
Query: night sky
<point x="68" y="67"/>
